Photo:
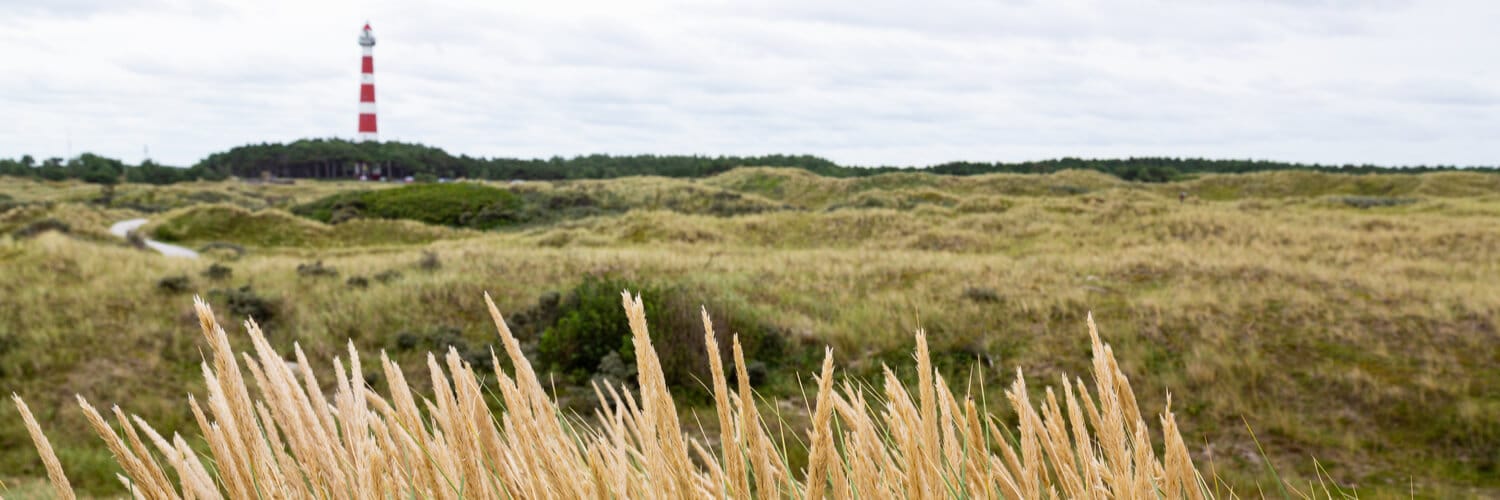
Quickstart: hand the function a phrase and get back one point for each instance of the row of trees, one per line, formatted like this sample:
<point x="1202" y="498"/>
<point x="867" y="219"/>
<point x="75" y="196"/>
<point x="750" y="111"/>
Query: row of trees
<point x="310" y="154"/>
<point x="90" y="167"/>
<point x="321" y="155"/>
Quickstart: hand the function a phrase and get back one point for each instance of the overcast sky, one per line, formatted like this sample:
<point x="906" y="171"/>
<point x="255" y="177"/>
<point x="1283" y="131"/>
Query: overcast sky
<point x="868" y="82"/>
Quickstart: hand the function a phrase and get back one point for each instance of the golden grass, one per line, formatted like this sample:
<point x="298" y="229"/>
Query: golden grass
<point x="287" y="438"/>
<point x="1362" y="337"/>
<point x="44" y="447"/>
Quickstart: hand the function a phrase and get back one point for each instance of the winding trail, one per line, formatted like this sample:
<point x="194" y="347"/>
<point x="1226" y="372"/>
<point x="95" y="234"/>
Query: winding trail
<point x="124" y="228"/>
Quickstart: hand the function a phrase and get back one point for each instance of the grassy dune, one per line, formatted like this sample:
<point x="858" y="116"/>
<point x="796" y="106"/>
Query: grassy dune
<point x="1363" y="337"/>
<point x="272" y="228"/>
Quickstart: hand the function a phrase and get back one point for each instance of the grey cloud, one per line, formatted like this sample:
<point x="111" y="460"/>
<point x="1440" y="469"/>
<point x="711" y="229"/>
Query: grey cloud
<point x="872" y="82"/>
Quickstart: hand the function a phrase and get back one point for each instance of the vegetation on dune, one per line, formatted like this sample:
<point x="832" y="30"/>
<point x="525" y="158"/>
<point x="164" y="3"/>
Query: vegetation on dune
<point x="72" y="219"/>
<point x="285" y="439"/>
<point x="1358" y="333"/>
<point x="588" y="338"/>
<point x="480" y="206"/>
<point x="275" y="228"/>
<point x="458" y="204"/>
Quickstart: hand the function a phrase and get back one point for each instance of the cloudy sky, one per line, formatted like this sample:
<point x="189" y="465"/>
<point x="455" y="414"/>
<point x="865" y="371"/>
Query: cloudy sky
<point x="869" y="82"/>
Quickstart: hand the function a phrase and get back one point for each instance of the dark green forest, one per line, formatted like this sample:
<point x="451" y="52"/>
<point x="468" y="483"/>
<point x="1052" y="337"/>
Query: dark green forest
<point x="430" y="163"/>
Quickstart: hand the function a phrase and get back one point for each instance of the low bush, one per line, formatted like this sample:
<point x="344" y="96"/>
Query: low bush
<point x="588" y="329"/>
<point x="442" y="338"/>
<point x="588" y="332"/>
<point x="316" y="270"/>
<point x="981" y="295"/>
<point x="218" y="272"/>
<point x="245" y="303"/>
<point x="1363" y="202"/>
<point x="450" y="204"/>
<point x="175" y="284"/>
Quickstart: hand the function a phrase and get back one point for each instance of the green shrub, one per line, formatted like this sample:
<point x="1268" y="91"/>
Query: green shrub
<point x="316" y="270"/>
<point x="1363" y="202"/>
<point x="174" y="284"/>
<point x="439" y="339"/>
<point x="218" y="272"/>
<point x="451" y="204"/>
<point x="406" y="341"/>
<point x="982" y="295"/>
<point x="590" y="326"/>
<point x="590" y="338"/>
<point x="245" y="303"/>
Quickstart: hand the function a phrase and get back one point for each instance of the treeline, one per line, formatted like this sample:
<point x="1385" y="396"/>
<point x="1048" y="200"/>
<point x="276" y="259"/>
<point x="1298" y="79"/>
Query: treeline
<point x="90" y="167"/>
<point x="313" y="156"/>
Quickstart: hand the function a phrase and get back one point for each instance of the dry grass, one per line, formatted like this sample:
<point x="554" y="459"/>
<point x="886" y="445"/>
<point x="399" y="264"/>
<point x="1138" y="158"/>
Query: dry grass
<point x="1363" y="337"/>
<point x="277" y="434"/>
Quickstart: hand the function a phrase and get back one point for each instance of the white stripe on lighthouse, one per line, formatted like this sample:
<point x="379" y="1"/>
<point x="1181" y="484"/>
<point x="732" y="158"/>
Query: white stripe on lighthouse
<point x="367" y="108"/>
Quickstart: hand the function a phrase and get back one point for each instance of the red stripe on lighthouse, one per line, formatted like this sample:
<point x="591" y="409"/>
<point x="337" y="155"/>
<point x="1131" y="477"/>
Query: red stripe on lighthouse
<point x="367" y="123"/>
<point x="368" y="66"/>
<point x="367" y="92"/>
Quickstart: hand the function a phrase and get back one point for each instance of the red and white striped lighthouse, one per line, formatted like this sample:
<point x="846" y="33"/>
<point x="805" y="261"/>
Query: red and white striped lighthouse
<point x="367" y="87"/>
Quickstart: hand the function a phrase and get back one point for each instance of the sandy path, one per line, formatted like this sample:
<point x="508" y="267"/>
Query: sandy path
<point x="124" y="227"/>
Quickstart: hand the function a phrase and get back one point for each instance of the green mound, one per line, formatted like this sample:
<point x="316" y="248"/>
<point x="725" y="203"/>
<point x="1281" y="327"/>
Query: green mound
<point x="276" y="228"/>
<point x="457" y="205"/>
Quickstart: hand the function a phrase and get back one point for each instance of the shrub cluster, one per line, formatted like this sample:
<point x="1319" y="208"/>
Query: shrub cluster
<point x="175" y="284"/>
<point x="218" y="272"/>
<point x="589" y="337"/>
<point x="441" y="338"/>
<point x="246" y="303"/>
<point x="316" y="270"/>
<point x="457" y="204"/>
<point x="1363" y="202"/>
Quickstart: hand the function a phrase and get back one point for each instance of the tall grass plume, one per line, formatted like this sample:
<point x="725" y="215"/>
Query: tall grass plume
<point x="289" y="438"/>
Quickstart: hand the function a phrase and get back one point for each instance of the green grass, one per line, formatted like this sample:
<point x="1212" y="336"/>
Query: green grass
<point x="466" y="205"/>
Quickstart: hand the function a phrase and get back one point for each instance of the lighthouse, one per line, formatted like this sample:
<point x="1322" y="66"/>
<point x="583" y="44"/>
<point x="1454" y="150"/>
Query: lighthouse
<point x="367" y="86"/>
